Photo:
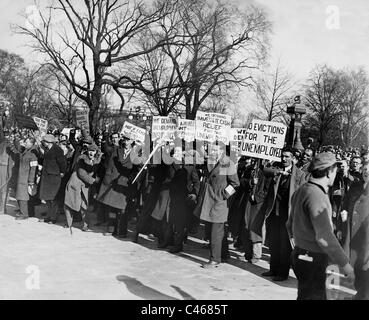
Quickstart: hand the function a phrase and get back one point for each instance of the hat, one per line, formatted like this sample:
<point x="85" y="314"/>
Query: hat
<point x="322" y="161"/>
<point x="48" y="138"/>
<point x="93" y="147"/>
<point x="88" y="140"/>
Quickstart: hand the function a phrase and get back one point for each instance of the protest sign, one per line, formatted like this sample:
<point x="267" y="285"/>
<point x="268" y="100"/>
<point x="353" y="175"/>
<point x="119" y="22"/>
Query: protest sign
<point x="163" y="127"/>
<point x="264" y="140"/>
<point x="133" y="132"/>
<point x="26" y="122"/>
<point x="212" y="126"/>
<point x="186" y="129"/>
<point x="41" y="124"/>
<point x="82" y="119"/>
<point x="66" y="131"/>
<point x="236" y="137"/>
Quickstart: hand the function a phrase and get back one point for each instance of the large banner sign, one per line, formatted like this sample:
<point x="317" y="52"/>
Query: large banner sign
<point x="133" y="132"/>
<point x="236" y="137"/>
<point x="41" y="124"/>
<point x="163" y="127"/>
<point x="213" y="126"/>
<point x="82" y="119"/>
<point x="186" y="129"/>
<point x="264" y="140"/>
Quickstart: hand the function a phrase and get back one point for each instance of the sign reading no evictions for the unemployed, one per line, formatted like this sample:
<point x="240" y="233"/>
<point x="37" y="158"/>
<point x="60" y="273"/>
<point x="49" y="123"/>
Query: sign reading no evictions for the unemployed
<point x="163" y="127"/>
<point x="264" y="140"/>
<point x="213" y="126"/>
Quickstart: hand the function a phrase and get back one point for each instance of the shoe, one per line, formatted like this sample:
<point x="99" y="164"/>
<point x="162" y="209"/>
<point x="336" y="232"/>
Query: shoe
<point x="175" y="249"/>
<point x="51" y="221"/>
<point x="41" y="220"/>
<point x="210" y="265"/>
<point x="21" y="218"/>
<point x="279" y="278"/>
<point x="135" y="237"/>
<point x="163" y="245"/>
<point x="254" y="260"/>
<point x="107" y="234"/>
<point x="268" y="274"/>
<point x="85" y="229"/>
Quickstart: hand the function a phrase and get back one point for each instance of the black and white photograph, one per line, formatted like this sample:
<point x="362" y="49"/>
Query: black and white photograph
<point x="184" y="154"/>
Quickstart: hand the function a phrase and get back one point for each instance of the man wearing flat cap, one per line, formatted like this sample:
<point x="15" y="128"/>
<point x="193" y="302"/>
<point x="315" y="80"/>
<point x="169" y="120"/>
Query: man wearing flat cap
<point x="311" y="231"/>
<point x="54" y="166"/>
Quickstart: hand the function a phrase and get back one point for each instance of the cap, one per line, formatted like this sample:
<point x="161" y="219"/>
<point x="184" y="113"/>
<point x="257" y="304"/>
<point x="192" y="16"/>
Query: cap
<point x="48" y="138"/>
<point x="322" y="161"/>
<point x="93" y="147"/>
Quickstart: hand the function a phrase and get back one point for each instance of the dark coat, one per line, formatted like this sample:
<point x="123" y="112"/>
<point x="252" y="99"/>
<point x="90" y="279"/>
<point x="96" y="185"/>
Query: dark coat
<point x="54" y="165"/>
<point x="78" y="186"/>
<point x="215" y="207"/>
<point x="271" y="173"/>
<point x="27" y="173"/>
<point x="117" y="183"/>
<point x="179" y="182"/>
<point x="359" y="253"/>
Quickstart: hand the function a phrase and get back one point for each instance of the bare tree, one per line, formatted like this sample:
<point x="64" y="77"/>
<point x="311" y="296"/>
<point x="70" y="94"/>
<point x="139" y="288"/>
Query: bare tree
<point x="323" y="98"/>
<point x="273" y="90"/>
<point x="354" y="105"/>
<point x="214" y="47"/>
<point x="94" y="37"/>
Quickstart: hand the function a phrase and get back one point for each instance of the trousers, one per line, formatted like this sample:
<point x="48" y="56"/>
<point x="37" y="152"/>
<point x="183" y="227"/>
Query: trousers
<point x="311" y="275"/>
<point x="218" y="242"/>
<point x="279" y="245"/>
<point x="117" y="221"/>
<point x="26" y="208"/>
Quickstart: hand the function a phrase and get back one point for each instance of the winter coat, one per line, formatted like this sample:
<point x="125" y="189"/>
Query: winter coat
<point x="27" y="172"/>
<point x="179" y="182"/>
<point x="54" y="165"/>
<point x="214" y="207"/>
<point x="359" y="245"/>
<point x="78" y="186"/>
<point x="117" y="183"/>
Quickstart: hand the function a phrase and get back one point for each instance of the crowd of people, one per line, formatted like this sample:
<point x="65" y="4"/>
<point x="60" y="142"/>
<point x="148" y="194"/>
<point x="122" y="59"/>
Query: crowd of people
<point x="310" y="209"/>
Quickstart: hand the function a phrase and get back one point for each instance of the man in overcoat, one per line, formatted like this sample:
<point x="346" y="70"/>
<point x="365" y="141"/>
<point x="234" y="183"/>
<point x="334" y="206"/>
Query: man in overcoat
<point x="28" y="163"/>
<point x="222" y="181"/>
<point x="54" y="167"/>
<point x="286" y="178"/>
<point x="184" y="186"/>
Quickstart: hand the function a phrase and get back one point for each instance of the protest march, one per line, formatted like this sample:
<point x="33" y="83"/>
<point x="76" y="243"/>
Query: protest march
<point x="202" y="163"/>
<point x="184" y="150"/>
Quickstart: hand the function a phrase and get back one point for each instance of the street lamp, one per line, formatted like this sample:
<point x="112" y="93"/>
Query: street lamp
<point x="130" y="115"/>
<point x="295" y="111"/>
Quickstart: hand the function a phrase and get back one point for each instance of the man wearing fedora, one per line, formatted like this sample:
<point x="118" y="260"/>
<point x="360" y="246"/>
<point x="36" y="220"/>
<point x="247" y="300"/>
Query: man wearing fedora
<point x="54" y="166"/>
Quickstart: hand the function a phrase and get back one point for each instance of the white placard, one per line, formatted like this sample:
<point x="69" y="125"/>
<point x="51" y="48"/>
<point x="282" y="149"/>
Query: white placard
<point x="82" y="119"/>
<point x="66" y="131"/>
<point x="186" y="129"/>
<point x="264" y="140"/>
<point x="133" y="132"/>
<point x="236" y="137"/>
<point x="163" y="127"/>
<point x="42" y="125"/>
<point x="213" y="126"/>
